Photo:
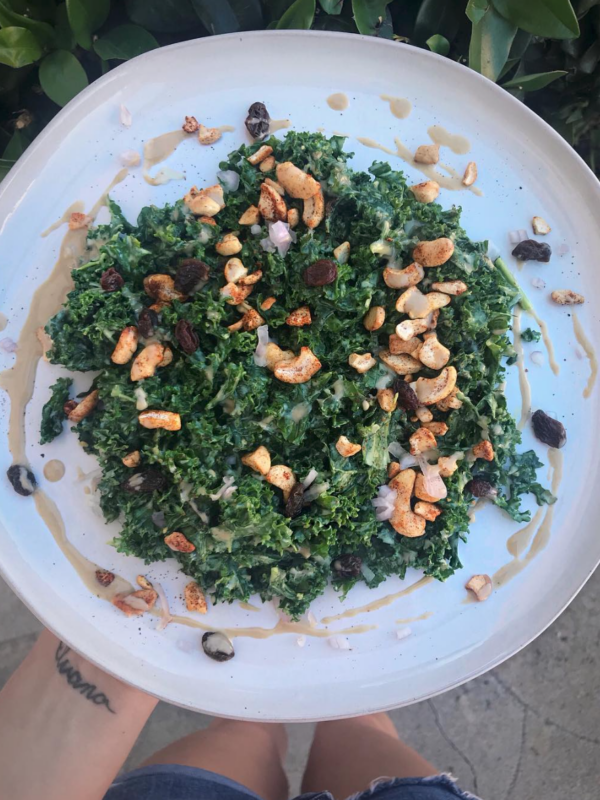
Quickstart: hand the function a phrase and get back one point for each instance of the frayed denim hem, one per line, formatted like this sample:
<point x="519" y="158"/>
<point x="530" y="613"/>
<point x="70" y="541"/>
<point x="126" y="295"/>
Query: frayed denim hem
<point x="442" y="781"/>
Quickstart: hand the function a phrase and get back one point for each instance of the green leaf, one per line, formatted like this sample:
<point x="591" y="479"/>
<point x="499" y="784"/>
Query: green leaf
<point x="530" y="83"/>
<point x="38" y="9"/>
<point x="438" y="16"/>
<point x="125" y="42"/>
<point x="331" y="6"/>
<point x="41" y="30"/>
<point x="299" y="15"/>
<point x="589" y="60"/>
<point x="228" y="16"/>
<point x="62" y="76"/>
<point x="16" y="147"/>
<point x="476" y="10"/>
<point x="163" y="16"/>
<point x="438" y="44"/>
<point x="63" y="35"/>
<point x="553" y="19"/>
<point x="5" y="167"/>
<point x="18" y="47"/>
<point x="369" y="15"/>
<point x="85" y="17"/>
<point x="491" y="39"/>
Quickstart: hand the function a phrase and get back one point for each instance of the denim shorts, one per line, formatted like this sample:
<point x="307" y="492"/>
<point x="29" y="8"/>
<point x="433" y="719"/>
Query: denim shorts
<point x="176" y="782"/>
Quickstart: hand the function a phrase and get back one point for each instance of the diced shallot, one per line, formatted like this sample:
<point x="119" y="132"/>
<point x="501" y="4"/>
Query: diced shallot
<point x="407" y="461"/>
<point x="396" y="449"/>
<point x="433" y="484"/>
<point x="493" y="251"/>
<point x="165" y="613"/>
<point x="538" y="358"/>
<point x="229" y="178"/>
<point x="301" y="640"/>
<point x="310" y="478"/>
<point x="125" y="116"/>
<point x="384" y="502"/>
<point x="314" y="492"/>
<point x="260" y="354"/>
<point x="339" y="642"/>
<point x="8" y="345"/>
<point x="514" y="237"/>
<point x="402" y="633"/>
<point x="228" y="481"/>
<point x="538" y="283"/>
<point x="282" y="236"/>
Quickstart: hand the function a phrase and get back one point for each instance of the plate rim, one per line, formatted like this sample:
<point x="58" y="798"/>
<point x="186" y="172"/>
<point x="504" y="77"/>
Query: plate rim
<point x="143" y="682"/>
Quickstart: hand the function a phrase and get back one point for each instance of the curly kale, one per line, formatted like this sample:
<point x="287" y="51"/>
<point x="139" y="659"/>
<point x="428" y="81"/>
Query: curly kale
<point x="53" y="414"/>
<point x="229" y="406"/>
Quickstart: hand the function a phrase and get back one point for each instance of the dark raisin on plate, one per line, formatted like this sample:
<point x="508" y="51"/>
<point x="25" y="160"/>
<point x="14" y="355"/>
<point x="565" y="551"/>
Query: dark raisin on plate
<point x="407" y="397"/>
<point x="110" y="280"/>
<point x="190" y="275"/>
<point x="22" y="480"/>
<point x="548" y="430"/>
<point x="187" y="337"/>
<point x="295" y="502"/>
<point x="217" y="646"/>
<point x="258" y="120"/>
<point x="530" y="250"/>
<point x="69" y="406"/>
<point x="321" y="273"/>
<point x="348" y="566"/>
<point x="147" y="322"/>
<point x="149" y="480"/>
<point x="480" y="487"/>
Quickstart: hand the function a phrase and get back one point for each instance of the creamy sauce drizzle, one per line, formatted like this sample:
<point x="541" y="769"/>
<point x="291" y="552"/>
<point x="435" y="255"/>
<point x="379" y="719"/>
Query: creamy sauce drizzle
<point x="157" y="150"/>
<point x="518" y="541"/>
<point x="458" y="144"/>
<point x="278" y="124"/>
<point x="249" y="607"/>
<point x="282" y="626"/>
<point x="589" y="351"/>
<point x="338" y="101"/>
<point x="451" y="181"/>
<point x="3" y="321"/>
<point x="524" y="384"/>
<point x="407" y="620"/>
<point x="76" y="206"/>
<point x="376" y="604"/>
<point x="547" y="342"/>
<point x="54" y="470"/>
<point x="399" y="106"/>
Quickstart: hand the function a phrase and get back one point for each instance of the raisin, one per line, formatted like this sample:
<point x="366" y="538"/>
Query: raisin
<point x="321" y="273"/>
<point x="190" y="275"/>
<point x="217" y="646"/>
<point x="150" y="480"/>
<point x="547" y="430"/>
<point x="22" y="479"/>
<point x="187" y="337"/>
<point x="530" y="250"/>
<point x="295" y="502"/>
<point x="69" y="406"/>
<point x="257" y="121"/>
<point x="110" y="280"/>
<point x="407" y="398"/>
<point x="479" y="487"/>
<point x="147" y="322"/>
<point x="104" y="577"/>
<point x="348" y="566"/>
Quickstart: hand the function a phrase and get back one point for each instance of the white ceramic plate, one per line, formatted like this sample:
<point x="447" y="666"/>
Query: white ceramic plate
<point x="525" y="169"/>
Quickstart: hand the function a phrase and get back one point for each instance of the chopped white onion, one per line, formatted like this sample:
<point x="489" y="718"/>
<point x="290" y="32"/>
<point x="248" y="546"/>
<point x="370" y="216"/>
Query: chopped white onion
<point x="384" y="502"/>
<point x="538" y="358"/>
<point x="384" y="514"/>
<point x="260" y="354"/>
<point x="310" y="478"/>
<point x="538" y="283"/>
<point x="367" y="573"/>
<point x="514" y="237"/>
<point x="256" y="230"/>
<point x="433" y="484"/>
<point x="339" y="642"/>
<point x="301" y="640"/>
<point x="396" y="449"/>
<point x="267" y="245"/>
<point x="402" y="633"/>
<point x="282" y="236"/>
<point x="493" y="251"/>
<point x="125" y="116"/>
<point x="201" y="514"/>
<point x="130" y="158"/>
<point x="228" y="492"/>
<point x="314" y="492"/>
<point x="165" y="613"/>
<point x="229" y="178"/>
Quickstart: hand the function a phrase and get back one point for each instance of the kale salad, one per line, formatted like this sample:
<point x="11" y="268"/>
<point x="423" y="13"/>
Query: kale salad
<point x="299" y="377"/>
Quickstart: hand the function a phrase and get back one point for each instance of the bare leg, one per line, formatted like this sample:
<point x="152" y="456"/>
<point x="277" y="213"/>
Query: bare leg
<point x="250" y="753"/>
<point x="346" y="755"/>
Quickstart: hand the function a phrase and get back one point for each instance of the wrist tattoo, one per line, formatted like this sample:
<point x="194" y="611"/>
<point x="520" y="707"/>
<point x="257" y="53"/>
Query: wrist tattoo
<point x="76" y="681"/>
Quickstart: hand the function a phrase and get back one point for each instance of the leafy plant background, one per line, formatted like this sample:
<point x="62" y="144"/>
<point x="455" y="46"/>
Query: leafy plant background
<point x="545" y="52"/>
